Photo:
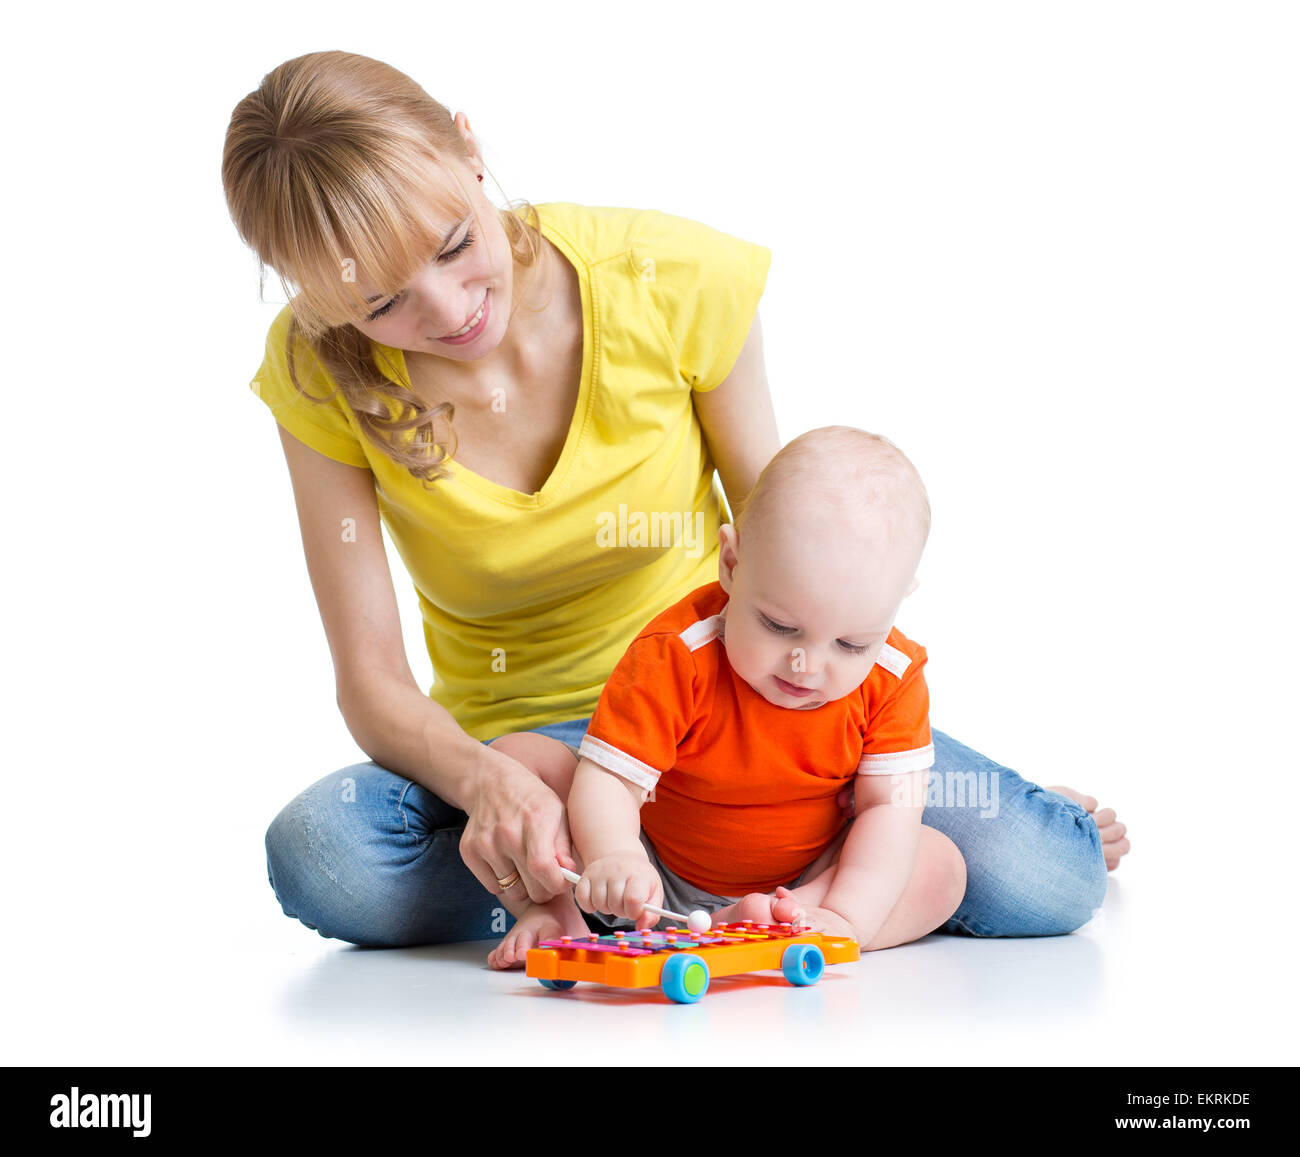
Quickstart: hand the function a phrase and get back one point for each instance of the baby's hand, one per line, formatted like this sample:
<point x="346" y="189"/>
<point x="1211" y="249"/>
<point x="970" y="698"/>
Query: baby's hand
<point x="621" y="884"/>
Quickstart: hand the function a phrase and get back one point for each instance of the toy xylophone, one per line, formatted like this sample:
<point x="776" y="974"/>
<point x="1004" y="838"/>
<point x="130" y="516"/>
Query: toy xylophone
<point x="682" y="962"/>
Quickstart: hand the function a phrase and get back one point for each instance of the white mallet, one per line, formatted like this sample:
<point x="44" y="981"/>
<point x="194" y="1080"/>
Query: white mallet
<point x="697" y="921"/>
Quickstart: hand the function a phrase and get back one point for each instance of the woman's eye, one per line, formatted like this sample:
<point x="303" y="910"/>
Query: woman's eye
<point x="469" y="240"/>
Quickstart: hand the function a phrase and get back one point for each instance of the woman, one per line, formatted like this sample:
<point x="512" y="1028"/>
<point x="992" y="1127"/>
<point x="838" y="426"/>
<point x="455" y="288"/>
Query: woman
<point x="598" y="364"/>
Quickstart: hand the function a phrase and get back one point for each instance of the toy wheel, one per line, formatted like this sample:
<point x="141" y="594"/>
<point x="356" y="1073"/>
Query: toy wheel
<point x="557" y="985"/>
<point x="803" y="964"/>
<point x="685" y="978"/>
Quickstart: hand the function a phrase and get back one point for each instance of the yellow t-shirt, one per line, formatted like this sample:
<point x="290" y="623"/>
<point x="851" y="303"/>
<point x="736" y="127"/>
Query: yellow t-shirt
<point x="529" y="600"/>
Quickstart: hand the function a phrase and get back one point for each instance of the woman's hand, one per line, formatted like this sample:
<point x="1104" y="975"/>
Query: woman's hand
<point x="516" y="824"/>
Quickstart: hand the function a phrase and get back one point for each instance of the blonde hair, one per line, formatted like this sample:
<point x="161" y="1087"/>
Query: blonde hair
<point x="332" y="166"/>
<point x="844" y="466"/>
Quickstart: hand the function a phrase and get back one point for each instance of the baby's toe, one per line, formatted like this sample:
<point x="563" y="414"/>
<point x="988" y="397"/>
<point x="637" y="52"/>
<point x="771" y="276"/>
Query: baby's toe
<point x="785" y="908"/>
<point x="756" y="906"/>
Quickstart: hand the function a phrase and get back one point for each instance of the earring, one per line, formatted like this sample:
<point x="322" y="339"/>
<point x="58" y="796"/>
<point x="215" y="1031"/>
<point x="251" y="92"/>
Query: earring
<point x="480" y="176"/>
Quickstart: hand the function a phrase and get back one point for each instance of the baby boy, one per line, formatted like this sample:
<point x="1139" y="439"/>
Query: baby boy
<point x="712" y="771"/>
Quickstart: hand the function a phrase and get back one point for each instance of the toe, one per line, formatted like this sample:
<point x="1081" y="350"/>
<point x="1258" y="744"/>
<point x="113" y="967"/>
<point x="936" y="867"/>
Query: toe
<point x="1114" y="852"/>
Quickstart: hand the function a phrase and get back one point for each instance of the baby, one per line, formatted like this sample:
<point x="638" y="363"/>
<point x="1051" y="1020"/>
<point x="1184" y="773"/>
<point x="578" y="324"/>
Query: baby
<point x="713" y="769"/>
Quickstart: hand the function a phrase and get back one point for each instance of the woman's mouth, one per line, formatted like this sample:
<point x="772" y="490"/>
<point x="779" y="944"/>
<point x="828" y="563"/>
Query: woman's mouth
<point x="472" y="328"/>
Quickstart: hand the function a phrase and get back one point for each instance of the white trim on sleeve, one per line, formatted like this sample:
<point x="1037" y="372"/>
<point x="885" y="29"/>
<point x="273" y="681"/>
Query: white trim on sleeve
<point x="893" y="660"/>
<point x="897" y="762"/>
<point x="620" y="763"/>
<point x="701" y="631"/>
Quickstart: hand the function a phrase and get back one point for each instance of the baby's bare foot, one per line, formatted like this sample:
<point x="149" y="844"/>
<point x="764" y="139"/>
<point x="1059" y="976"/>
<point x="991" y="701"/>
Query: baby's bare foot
<point x="761" y="908"/>
<point x="1114" y="842"/>
<point x="829" y="923"/>
<point x="549" y="921"/>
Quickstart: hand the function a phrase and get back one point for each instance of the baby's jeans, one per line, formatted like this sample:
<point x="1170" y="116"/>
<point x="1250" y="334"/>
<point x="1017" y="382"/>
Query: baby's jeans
<point x="370" y="857"/>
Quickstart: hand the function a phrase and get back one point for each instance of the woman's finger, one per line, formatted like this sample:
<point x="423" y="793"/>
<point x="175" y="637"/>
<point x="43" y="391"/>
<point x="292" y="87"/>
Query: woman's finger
<point x="485" y="872"/>
<point x="564" y="846"/>
<point x="540" y="861"/>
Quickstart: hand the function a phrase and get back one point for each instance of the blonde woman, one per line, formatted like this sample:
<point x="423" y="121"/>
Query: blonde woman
<point x="533" y="400"/>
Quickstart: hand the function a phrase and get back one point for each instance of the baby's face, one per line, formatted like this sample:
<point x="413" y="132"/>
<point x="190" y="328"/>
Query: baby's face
<point x="809" y="611"/>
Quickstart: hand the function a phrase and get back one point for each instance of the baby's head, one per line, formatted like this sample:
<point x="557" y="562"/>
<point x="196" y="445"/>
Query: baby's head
<point x="819" y="560"/>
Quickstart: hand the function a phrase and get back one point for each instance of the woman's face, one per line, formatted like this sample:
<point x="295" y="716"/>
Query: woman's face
<point x="469" y="281"/>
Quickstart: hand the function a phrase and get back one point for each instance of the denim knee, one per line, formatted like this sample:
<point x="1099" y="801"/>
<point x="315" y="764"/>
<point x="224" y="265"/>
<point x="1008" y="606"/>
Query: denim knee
<point x="296" y="860"/>
<point x="367" y="856"/>
<point x="1060" y="892"/>
<point x="1083" y="881"/>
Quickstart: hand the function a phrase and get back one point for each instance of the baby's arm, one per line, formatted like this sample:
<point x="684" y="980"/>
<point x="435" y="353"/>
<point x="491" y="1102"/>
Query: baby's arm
<point x="605" y="822"/>
<point x="879" y="852"/>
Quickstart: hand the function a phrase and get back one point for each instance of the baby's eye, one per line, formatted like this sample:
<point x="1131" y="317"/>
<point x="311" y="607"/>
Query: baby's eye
<point x="776" y="627"/>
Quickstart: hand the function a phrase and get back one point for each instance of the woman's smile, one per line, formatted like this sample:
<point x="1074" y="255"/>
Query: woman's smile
<point x="474" y="326"/>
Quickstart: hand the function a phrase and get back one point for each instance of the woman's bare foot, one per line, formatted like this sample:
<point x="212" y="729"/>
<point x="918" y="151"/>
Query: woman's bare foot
<point x="557" y="917"/>
<point x="1114" y="843"/>
<point x="779" y="908"/>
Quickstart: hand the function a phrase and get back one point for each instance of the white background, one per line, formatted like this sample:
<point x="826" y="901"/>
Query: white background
<point x="1049" y="249"/>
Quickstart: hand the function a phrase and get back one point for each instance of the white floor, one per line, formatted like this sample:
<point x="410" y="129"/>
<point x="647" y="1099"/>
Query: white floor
<point x="1137" y="986"/>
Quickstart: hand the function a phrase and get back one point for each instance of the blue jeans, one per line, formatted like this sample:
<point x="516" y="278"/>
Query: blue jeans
<point x="370" y="857"/>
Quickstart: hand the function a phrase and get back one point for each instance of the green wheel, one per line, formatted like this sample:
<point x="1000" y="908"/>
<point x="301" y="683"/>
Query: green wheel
<point x="557" y="985"/>
<point x="685" y="978"/>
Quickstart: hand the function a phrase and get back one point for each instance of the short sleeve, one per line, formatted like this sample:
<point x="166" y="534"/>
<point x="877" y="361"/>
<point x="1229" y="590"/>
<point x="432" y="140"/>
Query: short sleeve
<point x="897" y="737"/>
<point x="324" y="426"/>
<point x="645" y="710"/>
<point x="706" y="286"/>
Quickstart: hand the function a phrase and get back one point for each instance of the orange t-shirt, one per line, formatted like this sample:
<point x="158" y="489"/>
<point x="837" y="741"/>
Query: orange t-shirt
<point x="742" y="792"/>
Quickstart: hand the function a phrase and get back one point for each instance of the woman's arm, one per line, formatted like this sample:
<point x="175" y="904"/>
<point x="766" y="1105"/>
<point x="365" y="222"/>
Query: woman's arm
<point x="739" y="423"/>
<point x="392" y="720"/>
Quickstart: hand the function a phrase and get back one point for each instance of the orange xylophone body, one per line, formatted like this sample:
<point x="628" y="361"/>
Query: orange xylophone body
<point x="683" y="962"/>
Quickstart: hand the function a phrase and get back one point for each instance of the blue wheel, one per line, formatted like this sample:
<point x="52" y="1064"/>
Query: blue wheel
<point x="803" y="964"/>
<point x="685" y="978"/>
<point x="557" y="985"/>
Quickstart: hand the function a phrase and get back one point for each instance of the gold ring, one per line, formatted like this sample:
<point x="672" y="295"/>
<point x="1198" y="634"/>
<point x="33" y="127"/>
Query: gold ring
<point x="509" y="882"/>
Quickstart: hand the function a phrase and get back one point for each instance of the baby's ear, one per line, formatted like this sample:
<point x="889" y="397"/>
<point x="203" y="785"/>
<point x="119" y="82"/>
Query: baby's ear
<point x="915" y="583"/>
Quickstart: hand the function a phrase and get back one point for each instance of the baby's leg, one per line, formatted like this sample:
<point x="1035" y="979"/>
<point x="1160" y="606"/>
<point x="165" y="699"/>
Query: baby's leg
<point x="783" y="905"/>
<point x="932" y="894"/>
<point x="553" y="761"/>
